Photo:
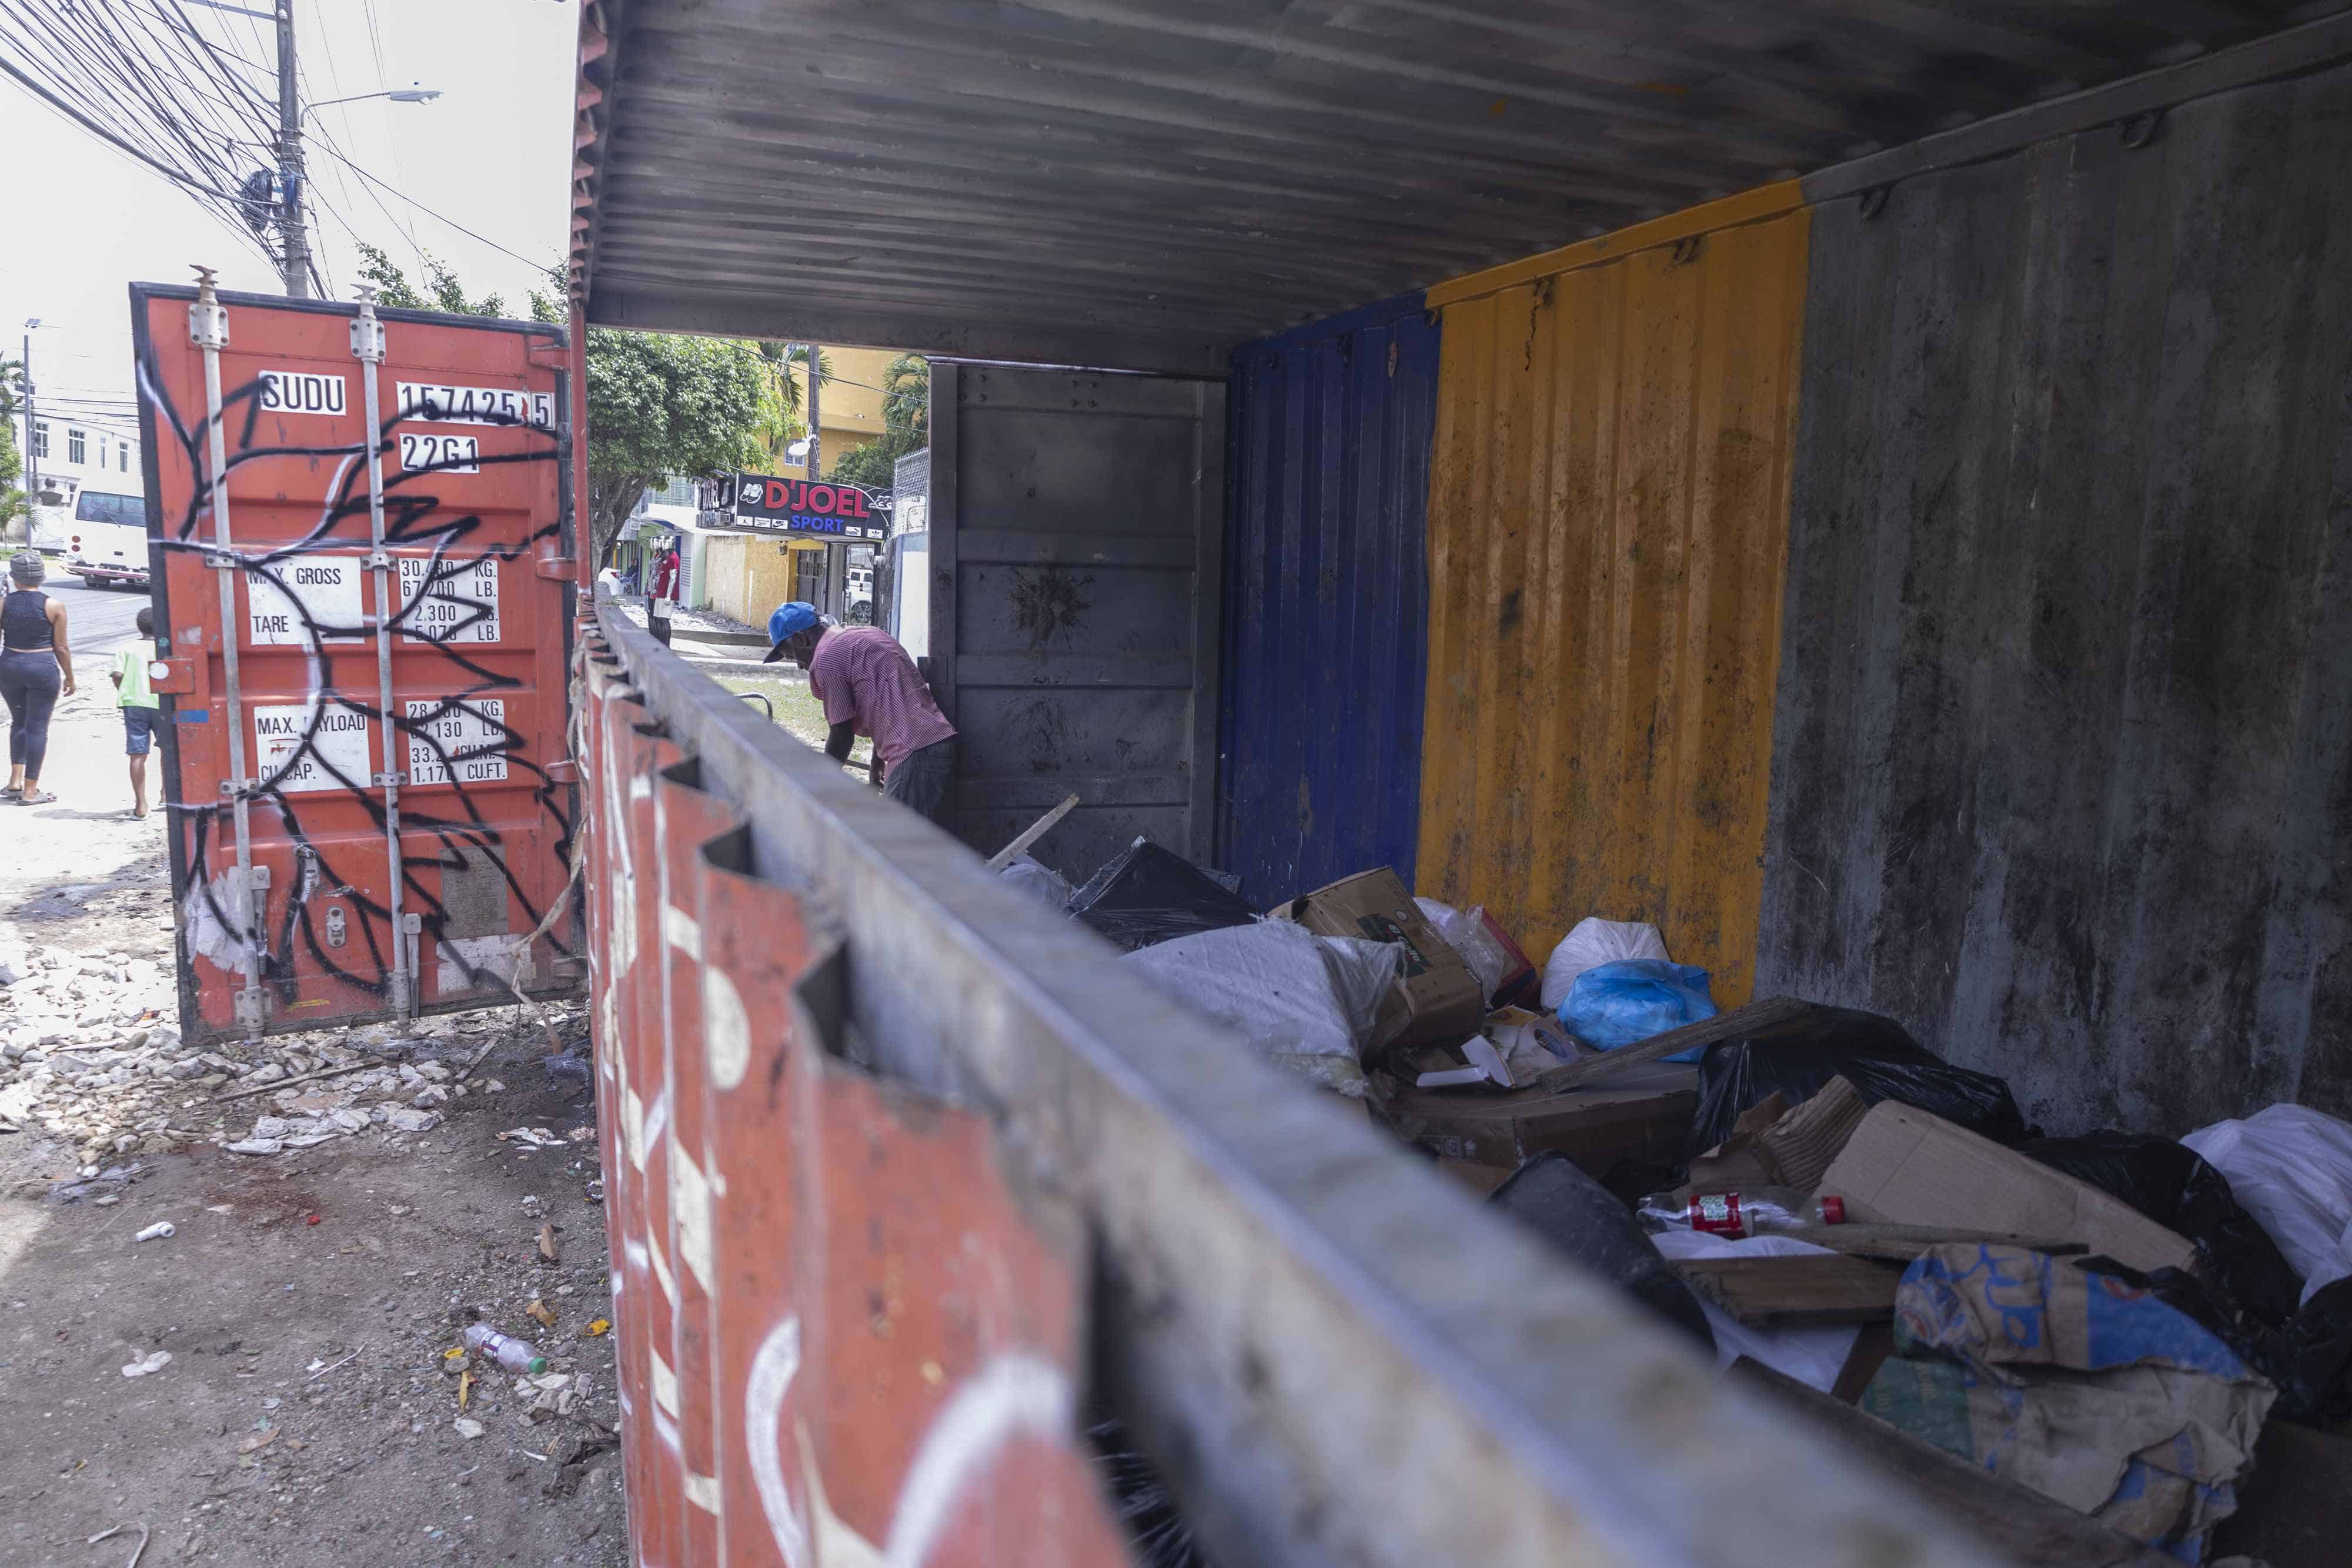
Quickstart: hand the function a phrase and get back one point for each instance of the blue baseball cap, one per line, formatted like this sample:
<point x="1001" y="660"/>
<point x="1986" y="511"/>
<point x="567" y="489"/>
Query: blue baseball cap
<point x="788" y="622"/>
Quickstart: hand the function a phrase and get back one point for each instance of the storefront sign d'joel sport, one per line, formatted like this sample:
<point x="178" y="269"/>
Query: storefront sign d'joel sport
<point x="764" y="504"/>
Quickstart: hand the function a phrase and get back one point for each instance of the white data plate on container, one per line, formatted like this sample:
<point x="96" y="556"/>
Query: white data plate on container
<point x="473" y="725"/>
<point x="321" y="591"/>
<point x="441" y="453"/>
<point x="302" y="392"/>
<point x="338" y="736"/>
<point x="474" y="405"/>
<point x="461" y="607"/>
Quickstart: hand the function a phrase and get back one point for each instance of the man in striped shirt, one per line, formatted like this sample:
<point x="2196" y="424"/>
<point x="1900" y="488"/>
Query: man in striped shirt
<point x="869" y="687"/>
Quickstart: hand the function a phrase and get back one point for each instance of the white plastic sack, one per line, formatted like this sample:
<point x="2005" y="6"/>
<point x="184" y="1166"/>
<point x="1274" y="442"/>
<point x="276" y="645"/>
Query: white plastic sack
<point x="1039" y="880"/>
<point x="1595" y="942"/>
<point x="1812" y="1356"/>
<point x="1466" y="934"/>
<point x="1302" y="1001"/>
<point x="2290" y="1168"/>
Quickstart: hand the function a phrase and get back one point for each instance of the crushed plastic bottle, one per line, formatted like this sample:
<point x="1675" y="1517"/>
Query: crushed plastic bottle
<point x="1751" y="1211"/>
<point x="512" y="1353"/>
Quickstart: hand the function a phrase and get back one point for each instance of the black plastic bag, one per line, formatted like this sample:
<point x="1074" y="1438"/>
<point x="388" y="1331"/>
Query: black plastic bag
<point x="2171" y="1185"/>
<point x="1148" y="894"/>
<point x="1873" y="1053"/>
<point x="2308" y="1357"/>
<point x="1582" y="1220"/>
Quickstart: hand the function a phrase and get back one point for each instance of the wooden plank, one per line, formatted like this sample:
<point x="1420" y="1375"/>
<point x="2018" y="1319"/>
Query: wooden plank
<point x="1032" y="833"/>
<point x="1733" y="1025"/>
<point x="2033" y="1529"/>
<point x="1901" y="1243"/>
<point x="1795" y="1293"/>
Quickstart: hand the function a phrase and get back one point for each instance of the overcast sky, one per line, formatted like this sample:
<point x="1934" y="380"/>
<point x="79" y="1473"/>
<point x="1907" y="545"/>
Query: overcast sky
<point x="492" y="154"/>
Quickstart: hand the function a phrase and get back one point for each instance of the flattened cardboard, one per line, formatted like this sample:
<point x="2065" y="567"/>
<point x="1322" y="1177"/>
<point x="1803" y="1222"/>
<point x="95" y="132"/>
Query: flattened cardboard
<point x="1437" y="1001"/>
<point x="1906" y="1165"/>
<point x="1643" y="1119"/>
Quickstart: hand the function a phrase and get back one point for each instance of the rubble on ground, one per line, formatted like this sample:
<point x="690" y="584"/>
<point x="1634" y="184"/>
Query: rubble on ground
<point x="90" y="1052"/>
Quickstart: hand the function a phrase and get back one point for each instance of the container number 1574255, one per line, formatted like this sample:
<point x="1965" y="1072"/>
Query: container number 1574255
<point x="442" y="454"/>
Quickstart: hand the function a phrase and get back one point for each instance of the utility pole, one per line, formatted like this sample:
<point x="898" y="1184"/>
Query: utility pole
<point x="295" y="239"/>
<point x="814" y="402"/>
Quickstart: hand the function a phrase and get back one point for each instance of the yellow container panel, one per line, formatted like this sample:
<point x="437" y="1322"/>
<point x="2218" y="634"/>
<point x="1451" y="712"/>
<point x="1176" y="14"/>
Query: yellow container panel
<point x="1608" y="533"/>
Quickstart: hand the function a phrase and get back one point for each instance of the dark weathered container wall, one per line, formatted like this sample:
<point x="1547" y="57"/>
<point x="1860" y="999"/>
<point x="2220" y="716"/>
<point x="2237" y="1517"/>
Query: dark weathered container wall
<point x="1327" y="599"/>
<point x="2061" y="775"/>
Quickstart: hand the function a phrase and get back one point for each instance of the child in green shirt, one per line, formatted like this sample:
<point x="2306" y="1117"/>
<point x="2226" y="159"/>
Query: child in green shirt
<point x="137" y="700"/>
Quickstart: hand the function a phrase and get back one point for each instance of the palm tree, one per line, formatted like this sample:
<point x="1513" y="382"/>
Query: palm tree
<point x="784" y="423"/>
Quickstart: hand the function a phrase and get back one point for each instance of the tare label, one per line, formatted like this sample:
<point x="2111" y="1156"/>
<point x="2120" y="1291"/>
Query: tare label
<point x="461" y="605"/>
<point x="302" y="392"/>
<point x="319" y="599"/>
<point x="461" y="741"/>
<point x="474" y="405"/>
<point x="337" y="743"/>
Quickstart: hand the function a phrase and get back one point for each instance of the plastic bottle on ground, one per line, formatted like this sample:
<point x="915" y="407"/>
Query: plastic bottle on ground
<point x="512" y="1353"/>
<point x="1751" y="1211"/>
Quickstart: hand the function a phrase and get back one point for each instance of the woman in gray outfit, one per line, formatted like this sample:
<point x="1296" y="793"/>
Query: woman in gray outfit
<point x="35" y="669"/>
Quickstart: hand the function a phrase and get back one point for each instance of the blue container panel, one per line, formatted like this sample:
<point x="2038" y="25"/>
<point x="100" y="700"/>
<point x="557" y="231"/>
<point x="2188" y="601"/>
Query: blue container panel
<point x="1326" y="601"/>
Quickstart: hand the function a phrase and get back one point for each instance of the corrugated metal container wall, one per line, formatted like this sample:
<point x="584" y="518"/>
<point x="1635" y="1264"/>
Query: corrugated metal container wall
<point x="1327" y="599"/>
<point x="2065" y="712"/>
<point x="1608" y="525"/>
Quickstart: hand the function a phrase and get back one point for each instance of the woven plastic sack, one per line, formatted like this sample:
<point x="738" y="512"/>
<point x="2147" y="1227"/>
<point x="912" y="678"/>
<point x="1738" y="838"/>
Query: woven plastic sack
<point x="1304" y="1002"/>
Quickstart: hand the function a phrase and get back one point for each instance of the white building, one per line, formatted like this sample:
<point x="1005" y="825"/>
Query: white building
<point x="94" y="465"/>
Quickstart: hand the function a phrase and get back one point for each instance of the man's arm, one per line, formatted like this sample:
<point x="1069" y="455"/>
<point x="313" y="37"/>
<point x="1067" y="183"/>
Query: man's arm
<point x="840" y="739"/>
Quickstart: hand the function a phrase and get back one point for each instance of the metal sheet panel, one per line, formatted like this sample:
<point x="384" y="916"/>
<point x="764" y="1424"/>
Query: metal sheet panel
<point x="1608" y="513"/>
<point x="1134" y="184"/>
<point x="1075" y="531"/>
<point x="2066" y="709"/>
<point x="463" y="771"/>
<point x="1327" y="599"/>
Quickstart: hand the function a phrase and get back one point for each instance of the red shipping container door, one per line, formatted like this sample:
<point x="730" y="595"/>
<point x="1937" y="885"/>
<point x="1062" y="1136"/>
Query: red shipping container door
<point x="398" y="618"/>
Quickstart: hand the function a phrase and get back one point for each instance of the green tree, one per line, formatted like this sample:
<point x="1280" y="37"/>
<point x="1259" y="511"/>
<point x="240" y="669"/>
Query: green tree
<point x="906" y="425"/>
<point x="13" y="502"/>
<point x="659" y="406"/>
<point x="442" y="291"/>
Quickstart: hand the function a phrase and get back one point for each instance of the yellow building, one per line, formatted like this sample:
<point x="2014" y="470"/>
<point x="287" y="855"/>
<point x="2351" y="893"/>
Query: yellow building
<point x="849" y="406"/>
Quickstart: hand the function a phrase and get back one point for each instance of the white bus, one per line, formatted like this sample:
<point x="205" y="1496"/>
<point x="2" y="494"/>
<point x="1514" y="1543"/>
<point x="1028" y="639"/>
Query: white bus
<point x="106" y="543"/>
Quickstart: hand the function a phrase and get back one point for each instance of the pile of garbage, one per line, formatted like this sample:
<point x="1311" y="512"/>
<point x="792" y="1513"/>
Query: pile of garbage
<point x="88" y="1054"/>
<point x="2114" y="1331"/>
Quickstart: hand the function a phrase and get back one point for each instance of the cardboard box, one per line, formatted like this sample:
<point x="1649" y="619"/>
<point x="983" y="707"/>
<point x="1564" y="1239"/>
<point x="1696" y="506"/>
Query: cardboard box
<point x="1438" y="1001"/>
<point x="1644" y="1117"/>
<point x="1905" y="1165"/>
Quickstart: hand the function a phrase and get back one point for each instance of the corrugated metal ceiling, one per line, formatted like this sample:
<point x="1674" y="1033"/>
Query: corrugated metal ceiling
<point x="1136" y="183"/>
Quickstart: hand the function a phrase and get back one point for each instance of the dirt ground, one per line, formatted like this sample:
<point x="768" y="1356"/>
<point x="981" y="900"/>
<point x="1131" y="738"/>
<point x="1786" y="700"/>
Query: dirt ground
<point x="308" y="1413"/>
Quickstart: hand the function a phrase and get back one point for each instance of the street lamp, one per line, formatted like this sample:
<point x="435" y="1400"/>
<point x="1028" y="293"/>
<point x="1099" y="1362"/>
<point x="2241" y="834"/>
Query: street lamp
<point x="295" y="259"/>
<point x="414" y="92"/>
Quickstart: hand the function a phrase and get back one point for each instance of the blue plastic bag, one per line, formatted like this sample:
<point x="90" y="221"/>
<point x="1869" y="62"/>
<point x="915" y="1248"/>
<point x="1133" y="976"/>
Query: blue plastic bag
<point x="1624" y="1003"/>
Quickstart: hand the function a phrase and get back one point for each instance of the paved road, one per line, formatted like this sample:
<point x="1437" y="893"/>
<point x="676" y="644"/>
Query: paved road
<point x="98" y="620"/>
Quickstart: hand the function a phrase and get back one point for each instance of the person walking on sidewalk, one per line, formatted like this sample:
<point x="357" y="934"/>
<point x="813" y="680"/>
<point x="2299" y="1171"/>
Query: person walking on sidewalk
<point x="137" y="701"/>
<point x="35" y="669"/>
<point x="869" y="687"/>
